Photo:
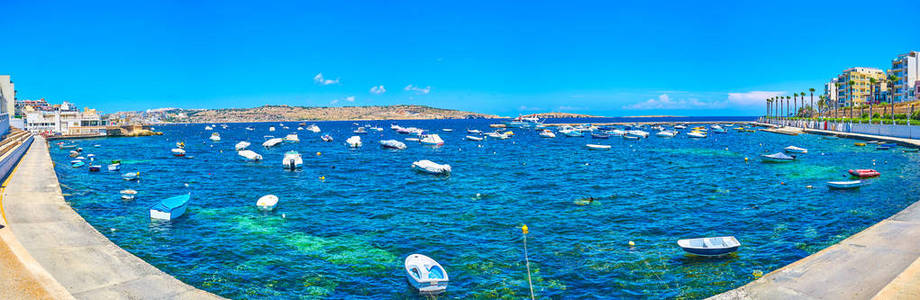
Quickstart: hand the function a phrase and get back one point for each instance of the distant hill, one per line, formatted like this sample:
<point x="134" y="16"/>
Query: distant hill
<point x="557" y="115"/>
<point x="298" y="113"/>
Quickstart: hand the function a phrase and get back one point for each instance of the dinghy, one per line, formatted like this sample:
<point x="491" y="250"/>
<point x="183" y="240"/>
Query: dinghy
<point x="114" y="167"/>
<point x="77" y="164"/>
<point x="864" y="173"/>
<point x="426" y="274"/>
<point x="128" y="194"/>
<point x="547" y="133"/>
<point x="131" y="176"/>
<point x="354" y="141"/>
<point x="215" y="137"/>
<point x="242" y="145"/>
<point x="178" y="152"/>
<point x="432" y="139"/>
<point x="598" y="147"/>
<point x="272" y="142"/>
<point x="392" y="144"/>
<point x="249" y="155"/>
<point x="844" y="185"/>
<point x="712" y="246"/>
<point x="292" y="160"/>
<point x="267" y="202"/>
<point x="600" y="136"/>
<point x="474" y="131"/>
<point x="473" y="138"/>
<point x="777" y="157"/>
<point x="292" y="138"/>
<point x="447" y="130"/>
<point x="794" y="149"/>
<point x="430" y="167"/>
<point x="170" y="208"/>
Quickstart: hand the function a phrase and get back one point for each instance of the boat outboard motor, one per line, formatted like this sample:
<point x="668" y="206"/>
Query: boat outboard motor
<point x="293" y="164"/>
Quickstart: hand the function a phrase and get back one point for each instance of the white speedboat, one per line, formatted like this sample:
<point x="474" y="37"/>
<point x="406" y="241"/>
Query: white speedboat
<point x="666" y="133"/>
<point x="313" y="128"/>
<point x="128" y="194"/>
<point x="844" y="185"/>
<point x="639" y="133"/>
<point x="697" y="134"/>
<point x="241" y="145"/>
<point x="392" y="144"/>
<point x="215" y="137"/>
<point x="131" y="176"/>
<point x="473" y="138"/>
<point x="267" y="202"/>
<point x="794" y="149"/>
<point x="430" y="167"/>
<point x="177" y="152"/>
<point x="447" y="130"/>
<point x="547" y="133"/>
<point x="170" y="208"/>
<point x="777" y="157"/>
<point x="571" y="133"/>
<point x="291" y="138"/>
<point x="360" y="130"/>
<point x="598" y="147"/>
<point x="432" y="139"/>
<point x="354" y="141"/>
<point x="426" y="274"/>
<point x="292" y="160"/>
<point x="680" y="127"/>
<point x="250" y="155"/>
<point x="474" y="131"/>
<point x="272" y="142"/>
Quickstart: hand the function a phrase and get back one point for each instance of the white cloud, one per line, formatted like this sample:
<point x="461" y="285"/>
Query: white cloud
<point x="377" y="90"/>
<point x="418" y="90"/>
<point x="525" y="107"/>
<point x="566" y="107"/>
<point x="318" y="79"/>
<point x="334" y="101"/>
<point x="350" y="98"/>
<point x="733" y="100"/>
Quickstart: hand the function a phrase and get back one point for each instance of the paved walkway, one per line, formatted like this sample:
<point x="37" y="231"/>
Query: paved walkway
<point x="81" y="259"/>
<point x="867" y="137"/>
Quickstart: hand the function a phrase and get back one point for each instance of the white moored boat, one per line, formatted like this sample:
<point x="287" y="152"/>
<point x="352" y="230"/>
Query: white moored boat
<point x="777" y="157"/>
<point x="215" y="137"/>
<point x="292" y="138"/>
<point x="710" y="246"/>
<point x="666" y="133"/>
<point x="178" y="152"/>
<point x="292" y="160"/>
<point x="430" y="167"/>
<point x="697" y="134"/>
<point x="547" y="133"/>
<point x="474" y="131"/>
<point x="392" y="144"/>
<point x="271" y="128"/>
<point x="354" y="141"/>
<point x="432" y="139"/>
<point x="170" y="208"/>
<point x="843" y="185"/>
<point x="267" y="202"/>
<point x="313" y="128"/>
<point x="473" y="138"/>
<point x="250" y="155"/>
<point x="272" y="142"/>
<point x="128" y="194"/>
<point x="794" y="149"/>
<point x="426" y="274"/>
<point x="598" y="147"/>
<point x="241" y="145"/>
<point x="640" y="133"/>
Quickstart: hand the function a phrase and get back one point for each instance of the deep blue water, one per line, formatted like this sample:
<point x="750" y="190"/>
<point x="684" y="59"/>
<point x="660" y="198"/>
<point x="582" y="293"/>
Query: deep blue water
<point x="346" y="236"/>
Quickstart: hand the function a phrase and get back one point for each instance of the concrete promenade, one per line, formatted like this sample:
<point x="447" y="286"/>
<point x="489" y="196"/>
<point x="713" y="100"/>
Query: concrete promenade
<point x="78" y="257"/>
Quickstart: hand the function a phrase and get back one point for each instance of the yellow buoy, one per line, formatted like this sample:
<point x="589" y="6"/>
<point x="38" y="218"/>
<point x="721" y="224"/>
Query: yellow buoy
<point x="319" y="153"/>
<point x="757" y="273"/>
<point x="859" y="144"/>
<point x="322" y="178"/>
<point x="632" y="244"/>
<point x="745" y="159"/>
<point x="524" y="229"/>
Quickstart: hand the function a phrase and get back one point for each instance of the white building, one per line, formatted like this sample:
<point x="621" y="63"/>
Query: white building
<point x="64" y="122"/>
<point x="907" y="68"/>
<point x="7" y="96"/>
<point x="830" y="91"/>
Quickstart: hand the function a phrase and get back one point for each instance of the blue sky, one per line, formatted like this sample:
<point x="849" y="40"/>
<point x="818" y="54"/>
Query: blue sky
<point x="604" y="57"/>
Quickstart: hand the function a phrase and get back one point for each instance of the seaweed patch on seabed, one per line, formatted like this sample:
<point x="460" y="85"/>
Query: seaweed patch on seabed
<point x="494" y="281"/>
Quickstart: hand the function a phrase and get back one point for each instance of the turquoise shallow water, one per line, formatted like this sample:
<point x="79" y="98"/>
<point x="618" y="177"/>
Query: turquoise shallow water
<point x="346" y="236"/>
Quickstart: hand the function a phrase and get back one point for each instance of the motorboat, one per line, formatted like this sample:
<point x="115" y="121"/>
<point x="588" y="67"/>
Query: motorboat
<point x="631" y="137"/>
<point x="697" y="134"/>
<point x="426" y="274"/>
<point x="267" y="202"/>
<point x="291" y="138"/>
<point x="74" y="153"/>
<point x="375" y="128"/>
<point x="271" y="128"/>
<point x="114" y="167"/>
<point x="447" y="130"/>
<point x="864" y="173"/>
<point x="416" y="140"/>
<point x="640" y="133"/>
<point x="598" y="147"/>
<point x="95" y="168"/>
<point x="680" y="126"/>
<point x="571" y="133"/>
<point x="249" y="155"/>
<point x="170" y="208"/>
<point x="547" y="133"/>
<point x="794" y="149"/>
<point x="272" y="142"/>
<point x="326" y="138"/>
<point x="242" y="145"/>
<point x="473" y="138"/>
<point x="250" y="128"/>
<point x="844" y="185"/>
<point x="354" y="141"/>
<point x="432" y="139"/>
<point x="395" y="127"/>
<point x="292" y="160"/>
<point x="777" y="157"/>
<point x="600" y="136"/>
<point x="392" y="144"/>
<point x="360" y="130"/>
<point x="710" y="246"/>
<point x="131" y="176"/>
<point x="617" y="132"/>
<point x="208" y="127"/>
<point x="215" y="137"/>
<point x="299" y="128"/>
<point x="128" y="194"/>
<point x="178" y="152"/>
<point x="474" y="131"/>
<point x="430" y="167"/>
<point x="666" y="133"/>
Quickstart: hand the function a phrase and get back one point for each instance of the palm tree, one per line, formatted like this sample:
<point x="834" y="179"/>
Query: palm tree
<point x="822" y="103"/>
<point x="812" y="91"/>
<point x="795" y="102"/>
<point x="802" y="96"/>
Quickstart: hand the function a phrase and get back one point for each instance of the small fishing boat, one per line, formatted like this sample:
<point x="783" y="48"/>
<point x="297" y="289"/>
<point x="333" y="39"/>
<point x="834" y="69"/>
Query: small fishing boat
<point x="326" y="138"/>
<point x="114" y="167"/>
<point x="291" y="138"/>
<point x="432" y="139"/>
<point x="447" y="130"/>
<point x="272" y="142"/>
<point x="128" y="194"/>
<point x="392" y="144"/>
<point x="598" y="147"/>
<point x="844" y="185"/>
<point x="794" y="149"/>
<point x="180" y="145"/>
<point x="170" y="208"/>
<point x="249" y="155"/>
<point x="95" y="168"/>
<point x="178" y="152"/>
<point x="710" y="246"/>
<point x="267" y="202"/>
<point x="292" y="160"/>
<point x="864" y="173"/>
<point x="474" y="131"/>
<point x="242" y="145"/>
<point x="777" y="157"/>
<point x="666" y="133"/>
<point x="77" y="164"/>
<point x="354" y="141"/>
<point x="697" y="134"/>
<point x="426" y="274"/>
<point x="215" y="137"/>
<point x="131" y="176"/>
<point x="600" y="136"/>
<point x="430" y="167"/>
<point x="473" y="138"/>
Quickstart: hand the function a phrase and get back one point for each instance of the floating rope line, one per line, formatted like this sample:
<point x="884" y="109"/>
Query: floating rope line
<point x="527" y="261"/>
